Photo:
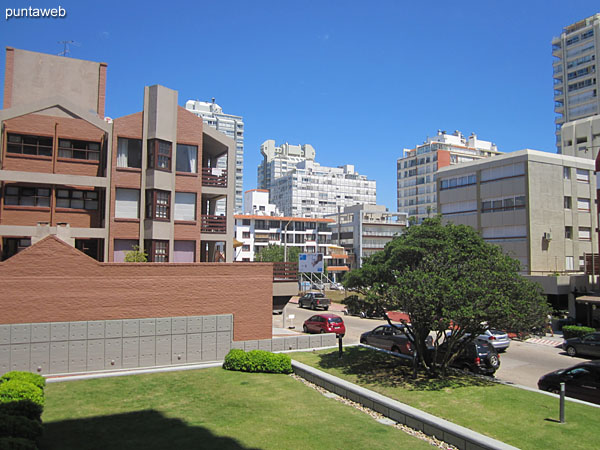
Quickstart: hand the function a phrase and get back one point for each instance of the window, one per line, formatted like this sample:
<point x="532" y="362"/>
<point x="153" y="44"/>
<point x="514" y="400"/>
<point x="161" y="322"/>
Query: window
<point x="568" y="232"/>
<point x="89" y="151"/>
<point x="566" y="173"/>
<point x="29" y="145"/>
<point x="158" y="251"/>
<point x="569" y="263"/>
<point x="567" y="202"/>
<point x="581" y="262"/>
<point x="184" y="251"/>
<point x="69" y="198"/>
<point x="185" y="206"/>
<point x="245" y="221"/>
<point x="585" y="233"/>
<point x="245" y="248"/>
<point x="583" y="175"/>
<point x="26" y="196"/>
<point x="583" y="204"/>
<point x="158" y="204"/>
<point x="245" y="235"/>
<point x="129" y="153"/>
<point x="159" y="155"/>
<point x="186" y="160"/>
<point x="127" y="203"/>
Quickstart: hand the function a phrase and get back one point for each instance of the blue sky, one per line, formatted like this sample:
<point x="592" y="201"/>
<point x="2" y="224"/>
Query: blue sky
<point x="358" y="80"/>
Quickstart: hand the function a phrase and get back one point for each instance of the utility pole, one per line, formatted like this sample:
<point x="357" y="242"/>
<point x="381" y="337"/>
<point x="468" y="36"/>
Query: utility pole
<point x="66" y="50"/>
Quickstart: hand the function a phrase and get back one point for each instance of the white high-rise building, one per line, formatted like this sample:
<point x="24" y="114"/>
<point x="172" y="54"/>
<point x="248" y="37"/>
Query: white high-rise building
<point x="577" y="51"/>
<point x="312" y="190"/>
<point x="231" y="126"/>
<point x="277" y="161"/>
<point x="417" y="169"/>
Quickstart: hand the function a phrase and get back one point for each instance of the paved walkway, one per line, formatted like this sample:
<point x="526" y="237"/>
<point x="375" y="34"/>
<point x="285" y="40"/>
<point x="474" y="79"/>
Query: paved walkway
<point x="549" y="340"/>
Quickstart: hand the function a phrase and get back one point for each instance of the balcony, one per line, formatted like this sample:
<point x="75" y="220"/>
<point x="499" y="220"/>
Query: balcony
<point x="214" y="177"/>
<point x="213" y="224"/>
<point x="285" y="271"/>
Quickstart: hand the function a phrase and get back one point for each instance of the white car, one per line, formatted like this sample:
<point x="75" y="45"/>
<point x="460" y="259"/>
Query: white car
<point x="498" y="339"/>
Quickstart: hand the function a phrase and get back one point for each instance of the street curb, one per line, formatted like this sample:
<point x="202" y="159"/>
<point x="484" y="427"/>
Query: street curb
<point x="449" y="432"/>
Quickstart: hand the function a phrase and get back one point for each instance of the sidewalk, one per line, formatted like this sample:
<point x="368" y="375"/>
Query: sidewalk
<point x="549" y="340"/>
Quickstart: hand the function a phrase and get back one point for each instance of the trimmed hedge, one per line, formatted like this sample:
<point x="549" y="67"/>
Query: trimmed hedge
<point x="257" y="361"/>
<point x="19" y="426"/>
<point x="13" y="443"/>
<point x="570" y="331"/>
<point x="20" y="398"/>
<point x="30" y="377"/>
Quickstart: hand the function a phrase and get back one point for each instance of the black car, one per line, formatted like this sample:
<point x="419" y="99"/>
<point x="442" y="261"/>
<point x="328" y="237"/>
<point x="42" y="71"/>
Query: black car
<point x="587" y="345"/>
<point x="581" y="381"/>
<point x="477" y="356"/>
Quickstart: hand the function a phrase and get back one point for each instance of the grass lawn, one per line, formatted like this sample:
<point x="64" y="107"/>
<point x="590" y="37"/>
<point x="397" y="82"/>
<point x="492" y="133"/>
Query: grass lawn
<point x="210" y="408"/>
<point x="525" y="419"/>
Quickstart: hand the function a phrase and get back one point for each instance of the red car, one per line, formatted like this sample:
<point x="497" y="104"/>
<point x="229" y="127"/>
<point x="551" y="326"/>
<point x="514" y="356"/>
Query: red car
<point x="325" y="323"/>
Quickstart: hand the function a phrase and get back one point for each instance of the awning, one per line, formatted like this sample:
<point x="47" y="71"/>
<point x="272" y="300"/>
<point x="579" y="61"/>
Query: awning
<point x="588" y="299"/>
<point x="337" y="268"/>
<point x="237" y="243"/>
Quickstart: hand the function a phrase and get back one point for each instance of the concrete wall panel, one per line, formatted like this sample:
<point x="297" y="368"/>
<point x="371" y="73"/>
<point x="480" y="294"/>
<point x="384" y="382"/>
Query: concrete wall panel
<point x="77" y="356"/>
<point x="163" y="327"/>
<point x="209" y="323"/>
<point x="178" y="349"/>
<point x="40" y="332"/>
<point x="113" y="349"/>
<point x="95" y="354"/>
<point x="4" y="358"/>
<point x="77" y="331"/>
<point x="194" y="324"/>
<point x="96" y="329"/>
<point x="20" y="334"/>
<point x="19" y="357"/>
<point x="40" y="357"/>
<point x="131" y="328"/>
<point x="113" y="329"/>
<point x="4" y="334"/>
<point x="147" y="327"/>
<point x="131" y="350"/>
<point x="59" y="357"/>
<point x="163" y="349"/>
<point x="194" y="347"/>
<point x="178" y="325"/>
<point x="209" y="345"/>
<point x="147" y="351"/>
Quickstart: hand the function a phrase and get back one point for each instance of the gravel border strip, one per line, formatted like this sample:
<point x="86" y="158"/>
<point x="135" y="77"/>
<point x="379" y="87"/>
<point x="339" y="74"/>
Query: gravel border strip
<point x="377" y="416"/>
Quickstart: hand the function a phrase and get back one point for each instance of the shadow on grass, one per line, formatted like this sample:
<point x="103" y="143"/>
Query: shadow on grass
<point x="373" y="367"/>
<point x="148" y="430"/>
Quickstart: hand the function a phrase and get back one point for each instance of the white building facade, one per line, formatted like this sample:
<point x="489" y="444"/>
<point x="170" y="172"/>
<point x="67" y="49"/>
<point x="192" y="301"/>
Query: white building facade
<point x="417" y="169"/>
<point x="277" y="161"/>
<point x="577" y="52"/>
<point x="262" y="224"/>
<point x="312" y="190"/>
<point x="363" y="230"/>
<point x="231" y="126"/>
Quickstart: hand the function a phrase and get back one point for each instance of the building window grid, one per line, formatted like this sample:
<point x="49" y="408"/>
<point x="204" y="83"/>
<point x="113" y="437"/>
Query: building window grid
<point x="76" y="199"/>
<point x="74" y="149"/>
<point x="158" y="205"/>
<point x="159" y="251"/>
<point x="159" y="154"/>
<point x="26" y="196"/>
<point x="29" y="145"/>
<point x="503" y="204"/>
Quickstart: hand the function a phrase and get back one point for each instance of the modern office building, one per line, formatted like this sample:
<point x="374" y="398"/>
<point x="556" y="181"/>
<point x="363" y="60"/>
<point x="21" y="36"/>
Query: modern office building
<point x="103" y="185"/>
<point x="417" y="169"/>
<point x="549" y="226"/>
<point x="277" y="161"/>
<point x="312" y="190"/>
<point x="231" y="126"/>
<point x="365" y="229"/>
<point x="262" y="224"/>
<point x="577" y="51"/>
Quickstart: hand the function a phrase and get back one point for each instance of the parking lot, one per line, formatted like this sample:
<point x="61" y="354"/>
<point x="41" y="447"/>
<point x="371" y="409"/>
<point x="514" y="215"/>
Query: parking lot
<point x="523" y="363"/>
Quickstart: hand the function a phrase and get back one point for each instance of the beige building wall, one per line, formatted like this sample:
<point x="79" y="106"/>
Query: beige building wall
<point x="536" y="227"/>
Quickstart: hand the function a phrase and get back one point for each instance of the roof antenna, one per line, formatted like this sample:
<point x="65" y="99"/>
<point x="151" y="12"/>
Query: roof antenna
<point x="66" y="49"/>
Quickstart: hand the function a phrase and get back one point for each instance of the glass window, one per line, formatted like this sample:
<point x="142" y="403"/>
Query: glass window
<point x="568" y="232"/>
<point x="186" y="159"/>
<point x="185" y="206"/>
<point x="585" y="233"/>
<point x="567" y="202"/>
<point x="27" y="196"/>
<point x="159" y="155"/>
<point x="583" y="175"/>
<point x="127" y="203"/>
<point x="158" y="204"/>
<point x="129" y="153"/>
<point x="29" y="145"/>
<point x="89" y="151"/>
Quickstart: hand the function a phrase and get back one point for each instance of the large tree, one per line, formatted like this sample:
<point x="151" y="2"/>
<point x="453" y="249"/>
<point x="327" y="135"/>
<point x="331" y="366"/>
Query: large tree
<point x="452" y="284"/>
<point x="275" y="253"/>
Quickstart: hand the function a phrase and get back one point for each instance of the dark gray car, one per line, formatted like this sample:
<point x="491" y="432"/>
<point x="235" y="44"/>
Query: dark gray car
<point x="388" y="338"/>
<point x="587" y="345"/>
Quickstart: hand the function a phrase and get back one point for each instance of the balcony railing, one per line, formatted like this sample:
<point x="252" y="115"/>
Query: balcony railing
<point x="213" y="224"/>
<point x="214" y="177"/>
<point x="285" y="271"/>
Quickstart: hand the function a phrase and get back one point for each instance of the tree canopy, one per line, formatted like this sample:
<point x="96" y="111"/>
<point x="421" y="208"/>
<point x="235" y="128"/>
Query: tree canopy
<point x="275" y="253"/>
<point x="453" y="286"/>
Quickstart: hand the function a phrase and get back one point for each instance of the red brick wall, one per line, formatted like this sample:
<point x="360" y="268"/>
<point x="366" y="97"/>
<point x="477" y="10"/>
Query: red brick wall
<point x="443" y="158"/>
<point x="53" y="282"/>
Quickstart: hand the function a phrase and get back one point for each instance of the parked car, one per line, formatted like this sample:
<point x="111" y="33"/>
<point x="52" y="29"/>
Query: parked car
<point x="587" y="345"/>
<point x="478" y="357"/>
<point x="499" y="339"/>
<point x="388" y="338"/>
<point x="581" y="381"/>
<point x="314" y="300"/>
<point x="318" y="286"/>
<point x="336" y="287"/>
<point x="325" y="323"/>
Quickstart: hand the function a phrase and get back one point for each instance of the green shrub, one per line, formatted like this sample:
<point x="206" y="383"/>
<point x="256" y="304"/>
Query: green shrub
<point x="20" y="398"/>
<point x="257" y="361"/>
<point x="30" y="377"/>
<point x="19" y="426"/>
<point x="12" y="443"/>
<point x="570" y="331"/>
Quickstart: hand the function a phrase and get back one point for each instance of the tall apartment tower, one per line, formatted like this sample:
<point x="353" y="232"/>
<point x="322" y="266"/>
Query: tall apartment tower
<point x="277" y="161"/>
<point x="231" y="126"/>
<point x="577" y="51"/>
<point x="417" y="169"/>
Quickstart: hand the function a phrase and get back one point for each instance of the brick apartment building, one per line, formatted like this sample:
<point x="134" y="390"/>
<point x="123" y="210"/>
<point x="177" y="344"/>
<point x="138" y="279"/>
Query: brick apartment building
<point x="103" y="185"/>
